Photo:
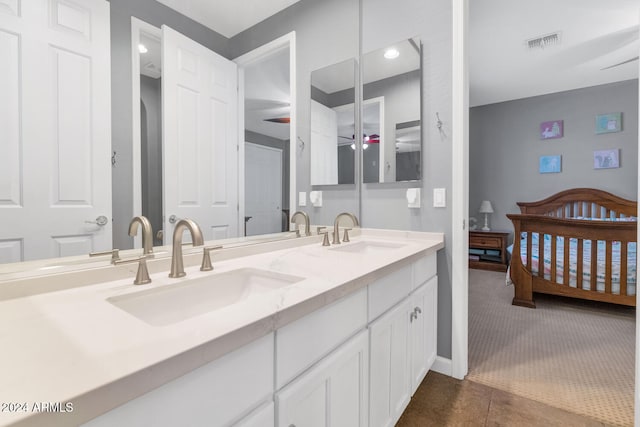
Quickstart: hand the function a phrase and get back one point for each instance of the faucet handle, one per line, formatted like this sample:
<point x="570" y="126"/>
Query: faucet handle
<point x="115" y="254"/>
<point x="325" y="239"/>
<point x="142" y="275"/>
<point x="345" y="237"/>
<point x="319" y="230"/>
<point x="206" y="257"/>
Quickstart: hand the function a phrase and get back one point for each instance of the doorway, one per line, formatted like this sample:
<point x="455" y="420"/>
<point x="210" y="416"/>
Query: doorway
<point x="267" y="109"/>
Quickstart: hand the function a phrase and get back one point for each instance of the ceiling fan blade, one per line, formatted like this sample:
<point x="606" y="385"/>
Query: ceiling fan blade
<point x="620" y="63"/>
<point x="279" y="120"/>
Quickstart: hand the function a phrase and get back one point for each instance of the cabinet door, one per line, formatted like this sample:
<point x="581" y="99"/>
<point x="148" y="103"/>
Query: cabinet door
<point x="389" y="365"/>
<point x="423" y="326"/>
<point x="332" y="393"/>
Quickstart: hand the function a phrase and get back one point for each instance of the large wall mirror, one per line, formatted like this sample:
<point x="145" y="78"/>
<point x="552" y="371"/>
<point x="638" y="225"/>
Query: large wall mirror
<point x="391" y="118"/>
<point x="88" y="156"/>
<point x="332" y="124"/>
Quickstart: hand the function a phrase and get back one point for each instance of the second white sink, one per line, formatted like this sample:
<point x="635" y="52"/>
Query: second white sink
<point x="173" y="303"/>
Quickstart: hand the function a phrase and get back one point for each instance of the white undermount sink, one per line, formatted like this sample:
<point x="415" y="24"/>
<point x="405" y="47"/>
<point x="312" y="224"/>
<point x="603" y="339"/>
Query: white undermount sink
<point x="173" y="303"/>
<point x="367" y="247"/>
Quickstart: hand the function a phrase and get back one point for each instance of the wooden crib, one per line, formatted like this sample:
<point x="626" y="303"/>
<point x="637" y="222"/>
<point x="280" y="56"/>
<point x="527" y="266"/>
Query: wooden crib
<point x="586" y="222"/>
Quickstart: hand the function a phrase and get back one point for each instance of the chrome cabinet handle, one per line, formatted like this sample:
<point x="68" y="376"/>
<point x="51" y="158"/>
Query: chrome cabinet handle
<point x="101" y="221"/>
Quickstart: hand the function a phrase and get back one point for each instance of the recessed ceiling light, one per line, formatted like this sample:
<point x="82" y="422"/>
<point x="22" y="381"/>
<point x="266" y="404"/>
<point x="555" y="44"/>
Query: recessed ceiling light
<point x="391" y="53"/>
<point x="142" y="48"/>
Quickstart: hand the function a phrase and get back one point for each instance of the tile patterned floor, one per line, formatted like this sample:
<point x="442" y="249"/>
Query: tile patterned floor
<point x="445" y="401"/>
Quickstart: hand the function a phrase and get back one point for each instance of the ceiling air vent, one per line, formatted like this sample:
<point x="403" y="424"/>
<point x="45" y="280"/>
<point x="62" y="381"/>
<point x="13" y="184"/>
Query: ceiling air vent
<point x="542" y="42"/>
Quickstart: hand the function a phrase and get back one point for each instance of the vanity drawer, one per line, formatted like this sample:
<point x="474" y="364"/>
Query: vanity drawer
<point x="302" y="343"/>
<point x="385" y="292"/>
<point x="424" y="269"/>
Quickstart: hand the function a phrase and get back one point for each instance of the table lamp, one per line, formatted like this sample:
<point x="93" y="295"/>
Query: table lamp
<point x="486" y="209"/>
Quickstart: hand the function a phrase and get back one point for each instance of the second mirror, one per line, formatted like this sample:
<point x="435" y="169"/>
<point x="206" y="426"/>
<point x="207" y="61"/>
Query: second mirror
<point x="333" y="124"/>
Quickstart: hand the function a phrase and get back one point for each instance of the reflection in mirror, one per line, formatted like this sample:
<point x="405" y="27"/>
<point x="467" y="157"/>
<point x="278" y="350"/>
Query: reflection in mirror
<point x="267" y="109"/>
<point x="149" y="50"/>
<point x="392" y="112"/>
<point x="333" y="124"/>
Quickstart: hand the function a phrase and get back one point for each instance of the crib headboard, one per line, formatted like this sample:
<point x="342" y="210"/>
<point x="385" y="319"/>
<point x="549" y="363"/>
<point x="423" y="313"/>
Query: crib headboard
<point x="581" y="202"/>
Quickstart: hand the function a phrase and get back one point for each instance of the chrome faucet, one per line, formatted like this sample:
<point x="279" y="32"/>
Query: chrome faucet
<point x="147" y="233"/>
<point x="177" y="266"/>
<point x="336" y="225"/>
<point x="305" y="217"/>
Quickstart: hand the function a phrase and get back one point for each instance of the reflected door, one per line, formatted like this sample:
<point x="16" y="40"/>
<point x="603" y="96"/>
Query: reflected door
<point x="199" y="133"/>
<point x="55" y="128"/>
<point x="263" y="189"/>
<point x="324" y="145"/>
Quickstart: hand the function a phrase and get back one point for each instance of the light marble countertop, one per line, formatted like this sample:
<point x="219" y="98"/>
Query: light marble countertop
<point x="72" y="345"/>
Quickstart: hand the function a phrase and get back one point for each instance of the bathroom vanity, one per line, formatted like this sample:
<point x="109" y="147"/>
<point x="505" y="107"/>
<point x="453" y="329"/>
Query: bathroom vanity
<point x="279" y="333"/>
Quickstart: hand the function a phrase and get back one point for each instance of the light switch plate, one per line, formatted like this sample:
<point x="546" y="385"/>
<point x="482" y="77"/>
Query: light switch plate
<point x="302" y="198"/>
<point x="439" y="197"/>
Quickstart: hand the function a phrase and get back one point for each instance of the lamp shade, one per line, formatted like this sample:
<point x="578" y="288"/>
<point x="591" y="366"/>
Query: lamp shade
<point x="485" y="207"/>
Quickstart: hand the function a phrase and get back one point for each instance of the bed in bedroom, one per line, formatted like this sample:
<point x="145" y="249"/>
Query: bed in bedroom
<point x="578" y="243"/>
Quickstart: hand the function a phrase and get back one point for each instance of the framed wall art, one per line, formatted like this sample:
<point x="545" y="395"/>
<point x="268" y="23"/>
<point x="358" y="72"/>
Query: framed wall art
<point x="608" y="123"/>
<point x="606" y="159"/>
<point x="550" y="164"/>
<point x="552" y="129"/>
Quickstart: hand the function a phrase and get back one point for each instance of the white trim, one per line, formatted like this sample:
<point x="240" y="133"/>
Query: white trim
<point x="137" y="26"/>
<point x="442" y="366"/>
<point x="288" y="40"/>
<point x="637" y="367"/>
<point x="460" y="192"/>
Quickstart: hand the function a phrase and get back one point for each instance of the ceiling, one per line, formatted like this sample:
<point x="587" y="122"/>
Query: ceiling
<point x="228" y="17"/>
<point x="266" y="95"/>
<point x="594" y="34"/>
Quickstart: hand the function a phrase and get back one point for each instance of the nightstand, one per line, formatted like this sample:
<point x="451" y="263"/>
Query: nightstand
<point x="488" y="250"/>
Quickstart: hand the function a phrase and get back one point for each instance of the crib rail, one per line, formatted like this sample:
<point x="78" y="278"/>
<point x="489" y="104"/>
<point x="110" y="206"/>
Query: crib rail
<point x="581" y="233"/>
<point x="581" y="202"/>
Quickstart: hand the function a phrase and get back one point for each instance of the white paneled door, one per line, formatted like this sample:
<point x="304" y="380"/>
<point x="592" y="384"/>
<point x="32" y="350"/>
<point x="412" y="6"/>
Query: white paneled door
<point x="324" y="144"/>
<point x="55" y="128"/>
<point x="200" y="145"/>
<point x="263" y="189"/>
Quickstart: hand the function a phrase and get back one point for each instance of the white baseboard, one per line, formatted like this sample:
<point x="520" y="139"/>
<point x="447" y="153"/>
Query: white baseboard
<point x="443" y="366"/>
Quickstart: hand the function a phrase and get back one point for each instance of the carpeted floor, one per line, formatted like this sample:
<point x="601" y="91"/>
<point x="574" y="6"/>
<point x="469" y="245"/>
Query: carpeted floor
<point x="570" y="354"/>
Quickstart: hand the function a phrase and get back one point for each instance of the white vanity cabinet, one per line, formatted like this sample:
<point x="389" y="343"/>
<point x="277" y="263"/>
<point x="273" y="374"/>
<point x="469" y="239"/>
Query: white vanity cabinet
<point x="331" y="393"/>
<point x="402" y="343"/>
<point x="424" y="331"/>
<point x="390" y="337"/>
<point x="219" y="393"/>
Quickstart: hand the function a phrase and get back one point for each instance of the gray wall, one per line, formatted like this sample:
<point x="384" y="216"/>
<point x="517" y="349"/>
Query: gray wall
<point x="155" y="14"/>
<point x="505" y="146"/>
<point x="326" y="33"/>
<point x="385" y="205"/>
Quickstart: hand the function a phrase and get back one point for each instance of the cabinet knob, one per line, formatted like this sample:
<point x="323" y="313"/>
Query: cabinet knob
<point x="417" y="310"/>
<point x="412" y="316"/>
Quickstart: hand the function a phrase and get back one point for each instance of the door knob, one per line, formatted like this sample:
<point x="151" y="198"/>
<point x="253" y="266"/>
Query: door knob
<point x="101" y="221"/>
<point x="173" y="219"/>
